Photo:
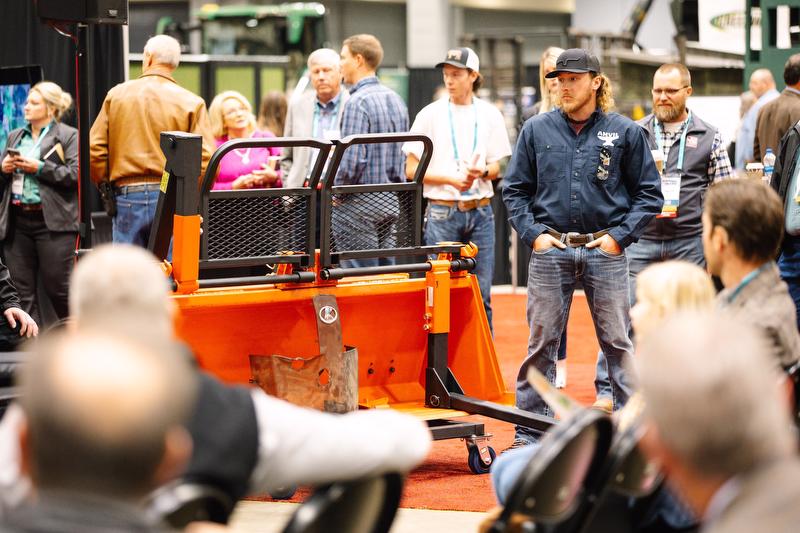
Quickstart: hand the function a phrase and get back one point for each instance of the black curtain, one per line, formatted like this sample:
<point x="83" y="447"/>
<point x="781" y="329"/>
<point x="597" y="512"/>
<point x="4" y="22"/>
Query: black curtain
<point x="27" y="40"/>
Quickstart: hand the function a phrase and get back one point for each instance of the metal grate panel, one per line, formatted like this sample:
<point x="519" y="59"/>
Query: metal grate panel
<point x="256" y="226"/>
<point x="376" y="220"/>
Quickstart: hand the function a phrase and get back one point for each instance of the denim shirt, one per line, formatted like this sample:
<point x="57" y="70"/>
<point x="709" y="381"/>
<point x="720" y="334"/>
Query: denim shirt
<point x="602" y="178"/>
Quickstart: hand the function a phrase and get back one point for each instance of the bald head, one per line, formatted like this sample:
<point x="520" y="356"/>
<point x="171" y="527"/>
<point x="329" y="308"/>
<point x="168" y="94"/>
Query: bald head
<point x="163" y="51"/>
<point x="103" y="413"/>
<point x="761" y="81"/>
<point x="121" y="288"/>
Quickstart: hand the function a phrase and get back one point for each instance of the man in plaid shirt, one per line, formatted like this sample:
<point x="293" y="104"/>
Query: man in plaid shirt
<point x="372" y="108"/>
<point x="694" y="158"/>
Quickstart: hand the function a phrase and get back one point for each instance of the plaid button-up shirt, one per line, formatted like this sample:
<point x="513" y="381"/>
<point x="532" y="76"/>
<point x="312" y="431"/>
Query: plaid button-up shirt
<point x="373" y="108"/>
<point x="719" y="164"/>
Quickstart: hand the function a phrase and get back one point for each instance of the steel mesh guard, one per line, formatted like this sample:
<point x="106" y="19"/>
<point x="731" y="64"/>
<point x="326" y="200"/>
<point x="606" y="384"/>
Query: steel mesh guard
<point x="256" y="226"/>
<point x="372" y="220"/>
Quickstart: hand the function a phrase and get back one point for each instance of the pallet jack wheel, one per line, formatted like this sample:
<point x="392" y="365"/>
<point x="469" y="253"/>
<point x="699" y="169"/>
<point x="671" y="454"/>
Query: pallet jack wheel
<point x="283" y="493"/>
<point x="478" y="464"/>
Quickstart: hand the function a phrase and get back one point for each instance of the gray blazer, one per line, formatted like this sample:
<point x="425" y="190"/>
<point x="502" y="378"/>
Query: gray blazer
<point x="294" y="165"/>
<point x="58" y="181"/>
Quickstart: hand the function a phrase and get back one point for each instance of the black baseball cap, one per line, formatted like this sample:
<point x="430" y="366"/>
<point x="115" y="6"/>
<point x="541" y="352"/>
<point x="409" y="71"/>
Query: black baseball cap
<point x="575" y="60"/>
<point x="462" y="58"/>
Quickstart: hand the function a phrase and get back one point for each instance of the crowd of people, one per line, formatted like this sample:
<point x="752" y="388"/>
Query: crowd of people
<point x="640" y="214"/>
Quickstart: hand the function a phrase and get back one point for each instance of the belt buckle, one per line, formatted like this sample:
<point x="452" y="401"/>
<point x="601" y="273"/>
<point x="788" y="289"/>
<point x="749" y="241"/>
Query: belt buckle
<point x="572" y="235"/>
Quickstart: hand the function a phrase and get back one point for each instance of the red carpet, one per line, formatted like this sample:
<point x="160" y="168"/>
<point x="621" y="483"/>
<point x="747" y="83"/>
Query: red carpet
<point x="444" y="481"/>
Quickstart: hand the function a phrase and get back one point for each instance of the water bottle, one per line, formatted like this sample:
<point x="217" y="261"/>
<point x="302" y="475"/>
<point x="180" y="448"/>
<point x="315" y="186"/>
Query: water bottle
<point x="769" y="165"/>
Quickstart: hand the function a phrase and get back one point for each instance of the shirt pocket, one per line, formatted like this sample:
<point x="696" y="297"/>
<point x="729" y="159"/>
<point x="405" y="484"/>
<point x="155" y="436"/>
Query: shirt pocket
<point x="551" y="162"/>
<point x="605" y="165"/>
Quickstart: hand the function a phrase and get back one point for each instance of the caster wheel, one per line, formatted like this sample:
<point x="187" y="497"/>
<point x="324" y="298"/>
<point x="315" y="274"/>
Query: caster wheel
<point x="283" y="493"/>
<point x="476" y="464"/>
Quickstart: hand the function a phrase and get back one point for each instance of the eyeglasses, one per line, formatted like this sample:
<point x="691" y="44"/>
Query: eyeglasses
<point x="234" y="112"/>
<point x="668" y="92"/>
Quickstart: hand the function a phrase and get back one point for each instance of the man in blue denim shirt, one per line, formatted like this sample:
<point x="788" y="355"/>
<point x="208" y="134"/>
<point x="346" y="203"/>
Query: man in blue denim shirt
<point x="581" y="186"/>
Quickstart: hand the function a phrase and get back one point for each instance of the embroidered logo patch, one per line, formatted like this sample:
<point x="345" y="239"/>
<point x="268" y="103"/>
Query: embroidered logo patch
<point x="608" y="138"/>
<point x="691" y="141"/>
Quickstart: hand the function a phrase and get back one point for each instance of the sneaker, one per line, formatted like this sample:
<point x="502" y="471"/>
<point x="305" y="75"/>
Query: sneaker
<point x="561" y="373"/>
<point x="603" y="404"/>
<point x="518" y="443"/>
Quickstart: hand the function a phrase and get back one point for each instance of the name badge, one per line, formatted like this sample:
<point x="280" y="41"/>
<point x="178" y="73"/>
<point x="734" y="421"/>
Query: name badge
<point x="671" y="190"/>
<point x="332" y="134"/>
<point x="17" y="181"/>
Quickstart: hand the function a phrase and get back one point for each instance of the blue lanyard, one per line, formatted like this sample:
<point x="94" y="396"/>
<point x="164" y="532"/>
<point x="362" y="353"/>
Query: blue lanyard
<point x="38" y="142"/>
<point x="453" y="129"/>
<point x="682" y="148"/>
<point x="746" y="281"/>
<point x="316" y="122"/>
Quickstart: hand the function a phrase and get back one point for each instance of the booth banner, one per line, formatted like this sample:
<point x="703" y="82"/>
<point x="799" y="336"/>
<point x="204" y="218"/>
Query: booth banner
<point x="722" y="25"/>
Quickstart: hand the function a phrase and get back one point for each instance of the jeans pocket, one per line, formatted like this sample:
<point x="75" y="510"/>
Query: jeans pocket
<point x="439" y="212"/>
<point x="545" y="251"/>
<point x="610" y="256"/>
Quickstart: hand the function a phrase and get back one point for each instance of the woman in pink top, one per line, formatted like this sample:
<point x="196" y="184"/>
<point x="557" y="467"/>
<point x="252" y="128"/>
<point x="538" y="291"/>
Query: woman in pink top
<point x="232" y="117"/>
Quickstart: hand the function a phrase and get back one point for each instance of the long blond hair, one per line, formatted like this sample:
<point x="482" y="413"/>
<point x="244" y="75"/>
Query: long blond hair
<point x="605" y="94"/>
<point x="217" y="118"/>
<point x="548" y="100"/>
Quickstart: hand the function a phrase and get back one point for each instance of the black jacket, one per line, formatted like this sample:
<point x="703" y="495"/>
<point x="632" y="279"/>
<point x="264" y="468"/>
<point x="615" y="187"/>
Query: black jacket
<point x="58" y="181"/>
<point x="786" y="161"/>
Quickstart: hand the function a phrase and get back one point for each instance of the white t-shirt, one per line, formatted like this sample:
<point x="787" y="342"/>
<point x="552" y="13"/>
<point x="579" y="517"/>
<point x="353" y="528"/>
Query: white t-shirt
<point x="490" y="144"/>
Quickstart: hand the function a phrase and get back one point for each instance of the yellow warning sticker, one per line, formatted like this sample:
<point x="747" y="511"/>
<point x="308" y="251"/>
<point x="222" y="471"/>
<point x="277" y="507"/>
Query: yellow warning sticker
<point x="164" y="182"/>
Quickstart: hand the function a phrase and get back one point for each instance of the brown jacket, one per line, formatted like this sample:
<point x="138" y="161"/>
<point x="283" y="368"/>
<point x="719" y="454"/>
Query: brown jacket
<point x="765" y="303"/>
<point x="765" y="501"/>
<point x="774" y="120"/>
<point x="125" y="137"/>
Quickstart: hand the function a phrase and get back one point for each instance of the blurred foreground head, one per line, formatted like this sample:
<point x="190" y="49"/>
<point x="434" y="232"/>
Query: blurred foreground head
<point x="120" y="288"/>
<point x="714" y="405"/>
<point x="104" y="415"/>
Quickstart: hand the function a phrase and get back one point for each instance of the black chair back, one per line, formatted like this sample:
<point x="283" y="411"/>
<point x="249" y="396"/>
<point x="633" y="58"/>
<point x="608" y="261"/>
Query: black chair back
<point x="362" y="506"/>
<point x="554" y="481"/>
<point x="180" y="503"/>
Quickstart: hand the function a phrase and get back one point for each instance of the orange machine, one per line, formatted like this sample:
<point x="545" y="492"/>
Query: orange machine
<point x="423" y="343"/>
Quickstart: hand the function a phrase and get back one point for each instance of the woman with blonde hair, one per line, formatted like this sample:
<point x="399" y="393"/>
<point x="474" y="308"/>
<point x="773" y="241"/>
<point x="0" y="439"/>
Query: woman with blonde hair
<point x="548" y="86"/>
<point x="39" y="202"/>
<point x="231" y="117"/>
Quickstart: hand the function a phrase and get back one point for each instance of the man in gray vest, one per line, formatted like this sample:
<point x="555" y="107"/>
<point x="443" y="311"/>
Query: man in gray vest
<point x="693" y="157"/>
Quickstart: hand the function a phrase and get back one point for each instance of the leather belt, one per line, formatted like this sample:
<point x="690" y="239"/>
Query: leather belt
<point x="135" y="180"/>
<point x="28" y="208"/>
<point x="575" y="239"/>
<point x="463" y="205"/>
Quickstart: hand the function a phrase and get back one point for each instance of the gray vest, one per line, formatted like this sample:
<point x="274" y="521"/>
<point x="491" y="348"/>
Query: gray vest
<point x="694" y="180"/>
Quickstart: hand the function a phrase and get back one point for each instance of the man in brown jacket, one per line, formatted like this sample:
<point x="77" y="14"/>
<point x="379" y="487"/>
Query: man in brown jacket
<point x="776" y="117"/>
<point x="742" y="231"/>
<point x="125" y="137"/>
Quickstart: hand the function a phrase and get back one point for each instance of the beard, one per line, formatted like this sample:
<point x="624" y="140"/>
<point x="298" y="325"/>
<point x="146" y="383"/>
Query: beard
<point x="668" y="114"/>
<point x="576" y="102"/>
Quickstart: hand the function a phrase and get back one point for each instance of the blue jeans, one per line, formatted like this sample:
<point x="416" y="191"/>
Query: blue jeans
<point x="507" y="468"/>
<point x="640" y="255"/>
<point x="552" y="276"/>
<point x="135" y="213"/>
<point x="445" y="223"/>
<point x="360" y="226"/>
